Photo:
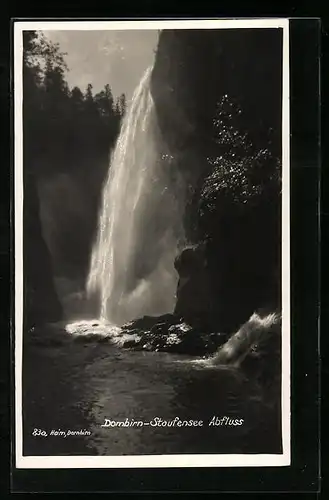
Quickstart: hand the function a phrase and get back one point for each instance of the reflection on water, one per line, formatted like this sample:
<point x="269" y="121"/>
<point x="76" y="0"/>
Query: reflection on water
<point x="79" y="385"/>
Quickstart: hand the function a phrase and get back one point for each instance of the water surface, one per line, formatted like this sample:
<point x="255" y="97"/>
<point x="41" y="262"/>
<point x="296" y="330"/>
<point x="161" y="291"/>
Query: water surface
<point x="77" y="385"/>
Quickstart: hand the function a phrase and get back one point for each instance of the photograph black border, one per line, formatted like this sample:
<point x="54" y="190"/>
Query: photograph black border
<point x="303" y="474"/>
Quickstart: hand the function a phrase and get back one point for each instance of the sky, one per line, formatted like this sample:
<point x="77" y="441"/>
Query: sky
<point x="118" y="58"/>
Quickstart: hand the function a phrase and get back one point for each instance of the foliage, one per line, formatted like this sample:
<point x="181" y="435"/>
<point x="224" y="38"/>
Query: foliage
<point x="63" y="126"/>
<point x="241" y="173"/>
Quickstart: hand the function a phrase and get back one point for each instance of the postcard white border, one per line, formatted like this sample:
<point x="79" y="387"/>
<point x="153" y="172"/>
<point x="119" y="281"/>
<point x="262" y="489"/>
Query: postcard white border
<point x="146" y="461"/>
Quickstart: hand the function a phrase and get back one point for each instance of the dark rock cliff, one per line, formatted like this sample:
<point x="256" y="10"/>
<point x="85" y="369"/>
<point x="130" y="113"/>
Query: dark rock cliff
<point x="41" y="304"/>
<point x="237" y="269"/>
<point x="195" y="68"/>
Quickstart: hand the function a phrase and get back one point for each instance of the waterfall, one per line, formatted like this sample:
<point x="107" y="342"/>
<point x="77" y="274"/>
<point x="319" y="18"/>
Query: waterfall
<point x="140" y="226"/>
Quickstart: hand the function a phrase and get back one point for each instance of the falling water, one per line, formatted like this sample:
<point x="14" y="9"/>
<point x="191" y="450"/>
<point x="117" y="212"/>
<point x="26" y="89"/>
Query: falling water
<point x="132" y="264"/>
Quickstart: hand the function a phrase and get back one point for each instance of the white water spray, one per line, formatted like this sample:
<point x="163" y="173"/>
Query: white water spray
<point x="132" y="264"/>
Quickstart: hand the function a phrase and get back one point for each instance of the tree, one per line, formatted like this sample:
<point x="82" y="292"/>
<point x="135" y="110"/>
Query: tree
<point x="76" y="99"/>
<point x="45" y="96"/>
<point x="39" y="53"/>
<point x="121" y="105"/>
<point x="89" y="94"/>
<point x="104" y="101"/>
<point x="241" y="173"/>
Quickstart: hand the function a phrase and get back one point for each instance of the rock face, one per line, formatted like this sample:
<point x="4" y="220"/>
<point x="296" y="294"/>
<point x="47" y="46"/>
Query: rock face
<point x="170" y="333"/>
<point x="195" y="68"/>
<point x="233" y="213"/>
<point x="194" y="299"/>
<point x="41" y="303"/>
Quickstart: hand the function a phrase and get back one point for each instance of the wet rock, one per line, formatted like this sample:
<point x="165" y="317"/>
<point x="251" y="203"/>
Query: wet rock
<point x="129" y="343"/>
<point x="159" y="329"/>
<point x="194" y="342"/>
<point x="147" y="322"/>
<point x="180" y="338"/>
